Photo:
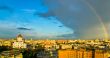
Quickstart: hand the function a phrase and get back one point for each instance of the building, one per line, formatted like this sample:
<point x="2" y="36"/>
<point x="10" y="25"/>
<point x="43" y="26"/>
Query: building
<point x="74" y="54"/>
<point x="82" y="53"/>
<point x="67" y="54"/>
<point x="6" y="43"/>
<point x="20" y="42"/>
<point x="66" y="46"/>
<point x="101" y="54"/>
<point x="11" y="54"/>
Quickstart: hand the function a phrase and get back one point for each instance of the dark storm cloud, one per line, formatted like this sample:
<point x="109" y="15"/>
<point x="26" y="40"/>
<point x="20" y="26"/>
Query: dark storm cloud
<point x="23" y="28"/>
<point x="102" y="8"/>
<point x="78" y="15"/>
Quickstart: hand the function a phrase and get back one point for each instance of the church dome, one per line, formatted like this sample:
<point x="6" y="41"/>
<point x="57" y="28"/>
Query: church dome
<point x="20" y="36"/>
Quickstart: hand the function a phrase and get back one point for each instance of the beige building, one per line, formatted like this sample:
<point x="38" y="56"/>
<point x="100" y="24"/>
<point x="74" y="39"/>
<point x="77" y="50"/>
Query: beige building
<point x="6" y="43"/>
<point x="20" y="42"/>
<point x="66" y="46"/>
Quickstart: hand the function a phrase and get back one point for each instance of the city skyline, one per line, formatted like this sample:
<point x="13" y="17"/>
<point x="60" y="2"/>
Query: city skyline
<point x="76" y="19"/>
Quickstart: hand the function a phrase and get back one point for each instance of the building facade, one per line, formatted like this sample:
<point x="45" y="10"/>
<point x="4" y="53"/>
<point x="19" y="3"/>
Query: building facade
<point x="82" y="54"/>
<point x="20" y="42"/>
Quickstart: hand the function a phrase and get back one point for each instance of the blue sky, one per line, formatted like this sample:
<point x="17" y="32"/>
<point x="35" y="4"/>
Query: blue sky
<point x="70" y="19"/>
<point x="17" y="17"/>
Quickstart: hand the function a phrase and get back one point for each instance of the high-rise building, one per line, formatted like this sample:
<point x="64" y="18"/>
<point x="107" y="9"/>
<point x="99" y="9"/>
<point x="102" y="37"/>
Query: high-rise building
<point x="67" y="53"/>
<point x="101" y="54"/>
<point x="83" y="54"/>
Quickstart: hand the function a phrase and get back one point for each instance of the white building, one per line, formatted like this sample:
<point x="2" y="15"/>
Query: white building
<point x="20" y="42"/>
<point x="66" y="46"/>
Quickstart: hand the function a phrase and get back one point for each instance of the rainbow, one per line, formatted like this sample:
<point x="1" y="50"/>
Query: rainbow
<point x="106" y="36"/>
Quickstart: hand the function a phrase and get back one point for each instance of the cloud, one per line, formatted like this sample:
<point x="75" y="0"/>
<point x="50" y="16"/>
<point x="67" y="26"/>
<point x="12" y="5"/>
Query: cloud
<point x="23" y="28"/>
<point x="5" y="12"/>
<point x="60" y="26"/>
<point x="29" y="10"/>
<point x="3" y="7"/>
<point x="67" y="36"/>
<point x="79" y="16"/>
<point x="48" y="14"/>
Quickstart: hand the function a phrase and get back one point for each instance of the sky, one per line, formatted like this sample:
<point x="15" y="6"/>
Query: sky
<point x="55" y="19"/>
